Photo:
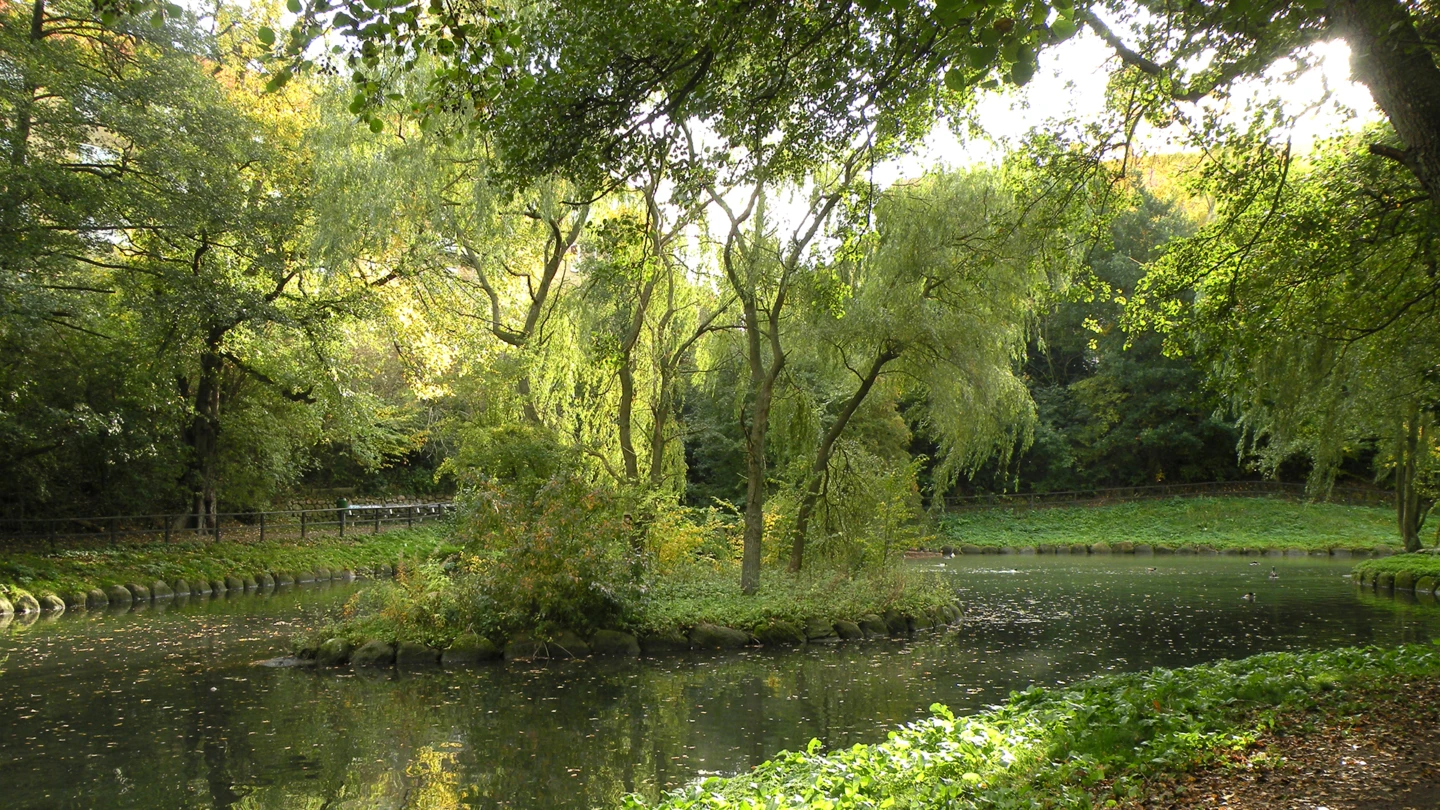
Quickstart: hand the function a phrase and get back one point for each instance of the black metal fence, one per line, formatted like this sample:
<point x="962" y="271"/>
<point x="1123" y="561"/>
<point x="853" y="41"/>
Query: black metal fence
<point x="54" y="534"/>
<point x="1364" y="496"/>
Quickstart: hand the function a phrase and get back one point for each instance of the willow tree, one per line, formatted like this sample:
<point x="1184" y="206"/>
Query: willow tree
<point x="936" y="302"/>
<point x="1315" y="304"/>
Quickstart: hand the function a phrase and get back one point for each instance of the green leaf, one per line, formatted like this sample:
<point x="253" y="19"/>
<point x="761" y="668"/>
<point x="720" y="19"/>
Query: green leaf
<point x="266" y="36"/>
<point x="293" y="5"/>
<point x="981" y="56"/>
<point x="376" y="125"/>
<point x="1021" y="72"/>
<point x="955" y="79"/>
<point x="358" y="103"/>
<point x="278" y="81"/>
<point x="1062" y="29"/>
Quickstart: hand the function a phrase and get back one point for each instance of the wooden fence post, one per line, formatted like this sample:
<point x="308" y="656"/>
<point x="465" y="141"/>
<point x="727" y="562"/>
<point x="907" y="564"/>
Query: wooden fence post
<point x="217" y="527"/>
<point x="262" y="527"/>
<point x="113" y="521"/>
<point x="376" y="530"/>
<point x="302" y="524"/>
<point x="342" y="522"/>
<point x="410" y="516"/>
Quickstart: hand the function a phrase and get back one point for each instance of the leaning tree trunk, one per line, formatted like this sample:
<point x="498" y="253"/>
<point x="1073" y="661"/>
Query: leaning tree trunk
<point x="203" y="436"/>
<point x="822" y="458"/>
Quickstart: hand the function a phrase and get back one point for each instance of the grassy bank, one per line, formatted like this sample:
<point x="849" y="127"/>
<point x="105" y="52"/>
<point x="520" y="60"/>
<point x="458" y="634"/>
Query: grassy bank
<point x="1220" y="523"/>
<point x="424" y="607"/>
<point x="68" y="572"/>
<point x="1079" y="746"/>
<point x="1404" y="571"/>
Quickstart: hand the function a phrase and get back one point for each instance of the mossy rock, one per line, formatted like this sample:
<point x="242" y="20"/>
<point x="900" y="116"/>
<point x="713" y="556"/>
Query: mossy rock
<point x="664" y="641"/>
<point x="217" y="586"/>
<point x="1079" y="548"/>
<point x="6" y="609"/>
<point x="75" y="600"/>
<point x="1161" y="550"/>
<point x="918" y="622"/>
<point x="414" y="655"/>
<point x="264" y="580"/>
<point x="1230" y="552"/>
<point x="180" y="587"/>
<point x="250" y="583"/>
<point x="364" y="571"/>
<point x="1030" y="550"/>
<point x="989" y="550"/>
<point x="848" y="630"/>
<point x="1425" y="585"/>
<point x="96" y="598"/>
<point x="51" y="602"/>
<point x="1099" y="548"/>
<point x="234" y="583"/>
<point x="1296" y="552"/>
<point x="969" y="548"/>
<point x="305" y="578"/>
<point x="118" y="595"/>
<point x="895" y="624"/>
<point x="1207" y="551"/>
<point x="322" y="574"/>
<point x="346" y="576"/>
<point x="284" y="578"/>
<point x="1045" y="548"/>
<point x="1273" y="552"/>
<point x="160" y="589"/>
<point x="873" y="625"/>
<point x="820" y="631"/>
<point x="614" y="643"/>
<point x="374" y="653"/>
<point x="334" y="652"/>
<point x="716" y="637"/>
<point x="1125" y="547"/>
<point x="1144" y="548"/>
<point x="1385" y="581"/>
<point x="1405" y="581"/>
<point x="469" y="649"/>
<point x="138" y="591"/>
<point x="201" y="587"/>
<point x="1185" y="550"/>
<point x="780" y="633"/>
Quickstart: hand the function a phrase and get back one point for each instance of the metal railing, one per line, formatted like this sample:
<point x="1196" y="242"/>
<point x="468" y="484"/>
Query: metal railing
<point x="53" y="534"/>
<point x="1366" y="496"/>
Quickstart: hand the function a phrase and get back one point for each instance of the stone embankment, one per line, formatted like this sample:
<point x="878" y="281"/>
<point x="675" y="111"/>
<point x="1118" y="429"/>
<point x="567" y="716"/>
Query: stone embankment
<point x="471" y="649"/>
<point x="129" y="594"/>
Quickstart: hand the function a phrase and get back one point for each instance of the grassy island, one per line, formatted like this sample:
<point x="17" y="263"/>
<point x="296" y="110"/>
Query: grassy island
<point x="1103" y="742"/>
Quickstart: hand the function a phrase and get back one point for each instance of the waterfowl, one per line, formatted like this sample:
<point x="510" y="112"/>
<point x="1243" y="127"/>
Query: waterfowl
<point x="1151" y="570"/>
<point x="1249" y="597"/>
<point x="1255" y="563"/>
<point x="1273" y="573"/>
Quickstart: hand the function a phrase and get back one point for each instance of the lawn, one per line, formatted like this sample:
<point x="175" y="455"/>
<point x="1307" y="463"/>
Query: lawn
<point x="1220" y="522"/>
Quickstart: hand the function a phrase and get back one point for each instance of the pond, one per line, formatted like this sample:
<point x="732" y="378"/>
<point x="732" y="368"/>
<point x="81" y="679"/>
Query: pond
<point x="166" y="709"/>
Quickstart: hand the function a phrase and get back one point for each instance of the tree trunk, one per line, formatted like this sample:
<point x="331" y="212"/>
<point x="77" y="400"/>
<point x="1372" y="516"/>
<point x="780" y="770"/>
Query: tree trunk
<point x="762" y="389"/>
<point x="203" y="434"/>
<point x="822" y="457"/>
<point x="1410" y="508"/>
<point x="1390" y="58"/>
<point x="624" y="420"/>
<point x="663" y="402"/>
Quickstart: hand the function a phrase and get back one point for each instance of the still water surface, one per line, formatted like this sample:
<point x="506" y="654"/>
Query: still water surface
<point x="165" y="709"/>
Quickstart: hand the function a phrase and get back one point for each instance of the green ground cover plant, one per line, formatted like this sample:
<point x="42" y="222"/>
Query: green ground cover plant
<point x="69" y="571"/>
<point x="1220" y="522"/>
<point x="1059" y="747"/>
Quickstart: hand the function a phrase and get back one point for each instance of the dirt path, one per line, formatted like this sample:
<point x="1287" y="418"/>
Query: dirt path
<point x="1386" y="757"/>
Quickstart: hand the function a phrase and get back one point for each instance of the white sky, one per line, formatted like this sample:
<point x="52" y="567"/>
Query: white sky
<point x="1071" y="82"/>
